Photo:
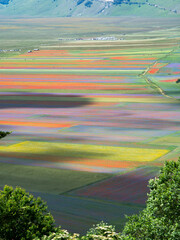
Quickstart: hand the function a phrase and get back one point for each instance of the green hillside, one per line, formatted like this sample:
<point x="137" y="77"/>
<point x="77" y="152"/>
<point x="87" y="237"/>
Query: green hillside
<point x="89" y="8"/>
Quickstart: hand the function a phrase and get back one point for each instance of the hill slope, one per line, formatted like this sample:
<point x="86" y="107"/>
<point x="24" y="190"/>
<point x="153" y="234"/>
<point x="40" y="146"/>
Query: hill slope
<point x="68" y="8"/>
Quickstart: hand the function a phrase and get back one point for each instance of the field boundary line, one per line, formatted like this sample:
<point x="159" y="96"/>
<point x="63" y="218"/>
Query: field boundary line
<point x="151" y="83"/>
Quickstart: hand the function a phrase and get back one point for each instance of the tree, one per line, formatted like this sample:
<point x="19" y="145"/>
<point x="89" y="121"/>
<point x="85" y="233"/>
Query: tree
<point x="3" y="134"/>
<point x="23" y="217"/>
<point x="161" y="218"/>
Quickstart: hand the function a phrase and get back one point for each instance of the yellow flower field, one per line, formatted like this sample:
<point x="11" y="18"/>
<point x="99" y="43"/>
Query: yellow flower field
<point x="86" y="151"/>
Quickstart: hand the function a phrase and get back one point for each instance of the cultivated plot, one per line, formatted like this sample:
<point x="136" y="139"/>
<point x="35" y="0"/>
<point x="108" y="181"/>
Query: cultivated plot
<point x="84" y="112"/>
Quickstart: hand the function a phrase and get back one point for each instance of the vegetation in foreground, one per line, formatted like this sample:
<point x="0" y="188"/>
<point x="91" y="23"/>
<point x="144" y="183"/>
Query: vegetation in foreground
<point x="4" y="134"/>
<point x="24" y="217"/>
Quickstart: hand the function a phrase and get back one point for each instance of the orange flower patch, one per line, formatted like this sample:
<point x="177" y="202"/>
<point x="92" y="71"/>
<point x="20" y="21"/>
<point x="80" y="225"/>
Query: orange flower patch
<point x="49" y="84"/>
<point x="67" y="85"/>
<point x="153" y="70"/>
<point x="120" y="58"/>
<point x="35" y="124"/>
<point x="128" y="58"/>
<point x="60" y="66"/>
<point x="69" y="64"/>
<point x="169" y="80"/>
<point x="132" y="63"/>
<point x="45" y="76"/>
<point x="47" y="53"/>
<point x="106" y="163"/>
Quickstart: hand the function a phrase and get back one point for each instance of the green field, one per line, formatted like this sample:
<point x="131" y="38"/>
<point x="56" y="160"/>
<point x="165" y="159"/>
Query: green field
<point x="43" y="179"/>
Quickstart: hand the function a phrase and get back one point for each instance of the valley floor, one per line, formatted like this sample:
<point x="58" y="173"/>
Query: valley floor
<point x="92" y="121"/>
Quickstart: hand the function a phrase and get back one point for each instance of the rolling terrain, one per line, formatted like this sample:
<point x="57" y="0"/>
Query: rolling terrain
<point x="89" y="8"/>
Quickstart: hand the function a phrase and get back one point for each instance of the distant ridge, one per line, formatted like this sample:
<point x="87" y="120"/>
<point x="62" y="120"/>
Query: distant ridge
<point x="89" y="8"/>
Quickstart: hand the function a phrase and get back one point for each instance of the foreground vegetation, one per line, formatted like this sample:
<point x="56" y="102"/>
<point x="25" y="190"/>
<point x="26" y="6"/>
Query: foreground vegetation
<point x="24" y="217"/>
<point x="4" y="134"/>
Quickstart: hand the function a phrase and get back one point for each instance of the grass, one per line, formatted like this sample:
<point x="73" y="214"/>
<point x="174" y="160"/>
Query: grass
<point x="32" y="33"/>
<point x="78" y="214"/>
<point x="40" y="179"/>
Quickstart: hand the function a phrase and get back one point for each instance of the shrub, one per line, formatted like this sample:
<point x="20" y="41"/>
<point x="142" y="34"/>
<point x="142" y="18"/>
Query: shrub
<point x="60" y="234"/>
<point x="80" y="1"/>
<point x="88" y="4"/>
<point x="22" y="216"/>
<point x="102" y="231"/>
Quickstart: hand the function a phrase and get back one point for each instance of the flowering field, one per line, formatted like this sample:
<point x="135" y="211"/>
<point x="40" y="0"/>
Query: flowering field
<point x="108" y="110"/>
<point x="126" y="188"/>
<point x="64" y="97"/>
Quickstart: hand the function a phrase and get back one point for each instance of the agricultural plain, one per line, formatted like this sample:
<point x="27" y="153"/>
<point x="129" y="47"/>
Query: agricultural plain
<point x="93" y="106"/>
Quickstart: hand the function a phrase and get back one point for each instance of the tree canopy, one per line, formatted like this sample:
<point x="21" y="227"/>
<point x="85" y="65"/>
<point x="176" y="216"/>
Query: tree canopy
<point x="161" y="218"/>
<point x="4" y="134"/>
<point x="23" y="217"/>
